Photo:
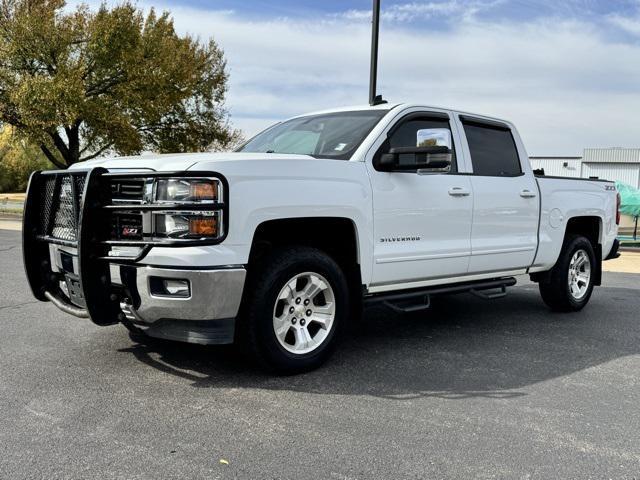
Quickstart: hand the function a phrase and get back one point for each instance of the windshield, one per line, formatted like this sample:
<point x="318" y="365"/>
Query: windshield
<point x="333" y="135"/>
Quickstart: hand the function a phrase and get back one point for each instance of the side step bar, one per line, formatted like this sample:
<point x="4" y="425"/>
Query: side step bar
<point x="420" y="299"/>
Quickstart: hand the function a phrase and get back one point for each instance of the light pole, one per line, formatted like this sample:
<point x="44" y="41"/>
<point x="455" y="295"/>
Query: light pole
<point x="374" y="98"/>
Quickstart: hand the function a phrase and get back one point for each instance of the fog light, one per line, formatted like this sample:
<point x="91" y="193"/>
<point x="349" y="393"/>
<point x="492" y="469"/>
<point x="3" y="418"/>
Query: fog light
<point x="177" y="288"/>
<point x="169" y="287"/>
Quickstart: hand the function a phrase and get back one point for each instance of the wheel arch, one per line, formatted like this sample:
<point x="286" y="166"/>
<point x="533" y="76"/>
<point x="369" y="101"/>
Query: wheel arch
<point x="337" y="236"/>
<point x="592" y="228"/>
<point x="589" y="226"/>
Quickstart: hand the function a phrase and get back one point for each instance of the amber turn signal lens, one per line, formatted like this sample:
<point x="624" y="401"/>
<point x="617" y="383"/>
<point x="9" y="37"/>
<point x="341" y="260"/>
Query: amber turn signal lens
<point x="204" y="191"/>
<point x="207" y="227"/>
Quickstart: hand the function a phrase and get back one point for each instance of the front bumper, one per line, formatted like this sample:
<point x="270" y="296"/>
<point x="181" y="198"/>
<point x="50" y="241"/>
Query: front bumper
<point x="206" y="316"/>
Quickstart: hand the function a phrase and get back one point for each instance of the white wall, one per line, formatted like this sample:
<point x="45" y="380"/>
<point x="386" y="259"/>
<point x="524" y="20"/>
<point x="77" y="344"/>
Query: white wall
<point x="628" y="173"/>
<point x="555" y="167"/>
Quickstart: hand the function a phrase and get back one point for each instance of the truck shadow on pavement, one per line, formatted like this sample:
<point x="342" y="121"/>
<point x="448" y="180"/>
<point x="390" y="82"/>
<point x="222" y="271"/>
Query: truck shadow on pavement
<point x="463" y="347"/>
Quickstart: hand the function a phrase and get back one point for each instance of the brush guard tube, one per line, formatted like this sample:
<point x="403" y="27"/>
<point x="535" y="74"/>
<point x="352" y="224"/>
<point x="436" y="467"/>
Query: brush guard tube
<point x="88" y="231"/>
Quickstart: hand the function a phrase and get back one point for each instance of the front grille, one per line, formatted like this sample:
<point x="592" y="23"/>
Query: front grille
<point x="61" y="200"/>
<point x="127" y="190"/>
<point x="126" y="227"/>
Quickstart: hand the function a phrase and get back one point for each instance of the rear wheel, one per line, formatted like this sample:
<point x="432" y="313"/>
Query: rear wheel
<point x="570" y="283"/>
<point x="296" y="304"/>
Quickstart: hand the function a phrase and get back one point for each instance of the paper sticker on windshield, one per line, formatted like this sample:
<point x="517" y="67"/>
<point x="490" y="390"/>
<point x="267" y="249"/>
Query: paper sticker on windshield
<point x="340" y="147"/>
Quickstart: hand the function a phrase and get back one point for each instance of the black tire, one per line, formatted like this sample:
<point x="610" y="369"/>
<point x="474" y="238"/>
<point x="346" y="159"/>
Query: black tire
<point x="555" y="290"/>
<point x="264" y="285"/>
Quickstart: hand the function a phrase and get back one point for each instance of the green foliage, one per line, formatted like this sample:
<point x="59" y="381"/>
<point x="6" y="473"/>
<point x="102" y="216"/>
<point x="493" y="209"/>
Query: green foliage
<point x="80" y="84"/>
<point x="18" y="158"/>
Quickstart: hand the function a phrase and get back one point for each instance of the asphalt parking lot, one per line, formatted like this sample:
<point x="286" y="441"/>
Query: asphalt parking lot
<point x="471" y="389"/>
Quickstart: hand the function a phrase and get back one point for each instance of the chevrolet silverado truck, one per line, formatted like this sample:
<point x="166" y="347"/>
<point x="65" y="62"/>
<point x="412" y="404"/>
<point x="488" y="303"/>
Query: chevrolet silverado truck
<point x="279" y="244"/>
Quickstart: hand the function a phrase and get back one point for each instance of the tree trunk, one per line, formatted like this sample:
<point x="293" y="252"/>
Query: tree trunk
<point x="73" y="134"/>
<point x="68" y="153"/>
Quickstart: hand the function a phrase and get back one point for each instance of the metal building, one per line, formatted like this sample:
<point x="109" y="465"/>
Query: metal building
<point x="621" y="164"/>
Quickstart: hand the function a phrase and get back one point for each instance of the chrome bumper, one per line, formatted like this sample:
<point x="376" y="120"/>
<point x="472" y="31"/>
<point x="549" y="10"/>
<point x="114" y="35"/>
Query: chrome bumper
<point x="207" y="316"/>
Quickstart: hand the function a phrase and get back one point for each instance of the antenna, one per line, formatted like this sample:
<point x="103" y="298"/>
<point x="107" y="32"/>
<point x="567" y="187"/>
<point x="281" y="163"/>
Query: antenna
<point x="374" y="98"/>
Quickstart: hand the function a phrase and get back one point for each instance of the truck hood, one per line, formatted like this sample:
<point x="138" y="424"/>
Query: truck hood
<point x="179" y="162"/>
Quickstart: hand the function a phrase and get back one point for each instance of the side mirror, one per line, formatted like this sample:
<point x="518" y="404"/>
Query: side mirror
<point x="437" y="159"/>
<point x="432" y="154"/>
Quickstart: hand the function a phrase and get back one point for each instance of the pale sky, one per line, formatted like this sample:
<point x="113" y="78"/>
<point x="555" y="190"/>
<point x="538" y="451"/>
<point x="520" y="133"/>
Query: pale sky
<point x="566" y="72"/>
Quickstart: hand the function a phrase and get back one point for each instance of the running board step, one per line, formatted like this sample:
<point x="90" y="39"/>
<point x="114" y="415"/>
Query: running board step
<point x="486" y="295"/>
<point x="417" y="300"/>
<point x="410" y="305"/>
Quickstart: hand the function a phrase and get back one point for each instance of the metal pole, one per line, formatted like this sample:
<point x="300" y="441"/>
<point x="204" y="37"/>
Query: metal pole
<point x="635" y="231"/>
<point x="375" y="34"/>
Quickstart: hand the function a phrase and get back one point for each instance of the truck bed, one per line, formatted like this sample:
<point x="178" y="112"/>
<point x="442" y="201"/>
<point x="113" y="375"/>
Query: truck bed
<point x="563" y="198"/>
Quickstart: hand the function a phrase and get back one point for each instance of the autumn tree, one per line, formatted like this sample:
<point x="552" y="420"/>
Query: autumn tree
<point x="18" y="158"/>
<point x="81" y="83"/>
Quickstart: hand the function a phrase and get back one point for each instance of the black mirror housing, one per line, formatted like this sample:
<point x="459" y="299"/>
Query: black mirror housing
<point x="387" y="162"/>
<point x="426" y="158"/>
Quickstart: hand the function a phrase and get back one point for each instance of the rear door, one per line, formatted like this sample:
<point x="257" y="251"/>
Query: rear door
<point x="504" y="233"/>
<point x="422" y="223"/>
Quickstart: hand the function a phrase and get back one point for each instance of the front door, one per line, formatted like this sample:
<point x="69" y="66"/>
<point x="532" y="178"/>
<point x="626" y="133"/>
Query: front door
<point x="422" y="222"/>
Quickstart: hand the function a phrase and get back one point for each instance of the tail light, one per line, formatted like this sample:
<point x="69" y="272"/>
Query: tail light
<point x="618" y="203"/>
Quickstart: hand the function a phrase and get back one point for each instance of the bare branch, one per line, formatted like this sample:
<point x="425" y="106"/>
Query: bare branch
<point x="61" y="146"/>
<point x="52" y="158"/>
<point x="98" y="153"/>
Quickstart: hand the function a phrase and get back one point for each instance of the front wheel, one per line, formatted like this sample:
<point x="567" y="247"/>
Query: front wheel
<point x="296" y="305"/>
<point x="570" y="283"/>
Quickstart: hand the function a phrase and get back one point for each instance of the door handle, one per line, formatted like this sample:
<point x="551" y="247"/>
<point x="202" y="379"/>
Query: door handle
<point x="527" y="194"/>
<point x="459" y="192"/>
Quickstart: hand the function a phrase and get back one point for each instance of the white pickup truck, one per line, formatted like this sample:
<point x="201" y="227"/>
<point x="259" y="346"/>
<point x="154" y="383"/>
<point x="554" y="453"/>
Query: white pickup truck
<point x="279" y="244"/>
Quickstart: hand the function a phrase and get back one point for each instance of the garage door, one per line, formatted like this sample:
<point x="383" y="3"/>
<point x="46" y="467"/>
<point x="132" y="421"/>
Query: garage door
<point x="622" y="172"/>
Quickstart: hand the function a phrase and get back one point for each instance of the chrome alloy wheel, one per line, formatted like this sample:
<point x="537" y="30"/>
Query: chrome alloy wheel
<point x="579" y="274"/>
<point x="304" y="313"/>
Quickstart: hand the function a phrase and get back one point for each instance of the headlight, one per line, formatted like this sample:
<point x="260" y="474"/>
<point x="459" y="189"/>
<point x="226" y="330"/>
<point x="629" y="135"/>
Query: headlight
<point x="204" y="190"/>
<point x="189" y="224"/>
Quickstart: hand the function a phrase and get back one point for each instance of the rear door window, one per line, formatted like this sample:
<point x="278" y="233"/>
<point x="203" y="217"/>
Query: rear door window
<point x="493" y="150"/>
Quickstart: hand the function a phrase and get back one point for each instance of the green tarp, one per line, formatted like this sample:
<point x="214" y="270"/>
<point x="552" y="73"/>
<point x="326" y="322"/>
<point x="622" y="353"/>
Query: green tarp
<point x="630" y="199"/>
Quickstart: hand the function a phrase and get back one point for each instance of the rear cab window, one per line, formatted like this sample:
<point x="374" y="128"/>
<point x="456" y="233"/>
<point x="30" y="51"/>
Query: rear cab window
<point x="493" y="149"/>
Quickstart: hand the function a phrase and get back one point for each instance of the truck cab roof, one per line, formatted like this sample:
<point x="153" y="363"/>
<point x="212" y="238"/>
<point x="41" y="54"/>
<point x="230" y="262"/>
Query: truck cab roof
<point x="402" y="106"/>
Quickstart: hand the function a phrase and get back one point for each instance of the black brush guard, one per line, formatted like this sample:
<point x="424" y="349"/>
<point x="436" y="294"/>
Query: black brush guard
<point x="74" y="209"/>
